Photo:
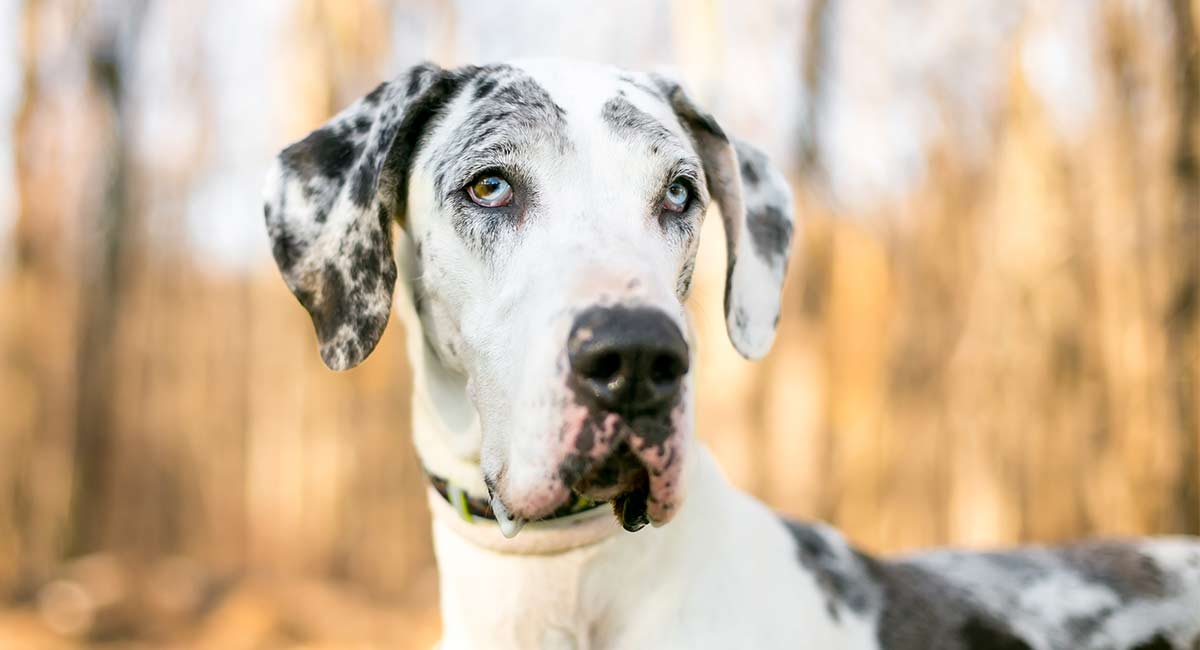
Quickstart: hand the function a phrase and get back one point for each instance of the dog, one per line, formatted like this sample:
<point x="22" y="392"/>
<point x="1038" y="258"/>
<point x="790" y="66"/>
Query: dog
<point x="548" y="218"/>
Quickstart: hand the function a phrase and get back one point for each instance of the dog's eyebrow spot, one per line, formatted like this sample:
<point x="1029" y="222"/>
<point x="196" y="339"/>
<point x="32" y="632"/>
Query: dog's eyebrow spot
<point x="508" y="111"/>
<point x="628" y="120"/>
<point x="507" y="117"/>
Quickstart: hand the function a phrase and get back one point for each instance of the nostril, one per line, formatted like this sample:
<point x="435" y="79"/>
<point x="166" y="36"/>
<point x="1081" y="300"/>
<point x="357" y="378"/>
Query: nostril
<point x="603" y="367"/>
<point x="665" y="369"/>
<point x="628" y="360"/>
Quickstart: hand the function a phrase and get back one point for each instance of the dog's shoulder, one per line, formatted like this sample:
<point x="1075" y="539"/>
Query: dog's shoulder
<point x="1099" y="594"/>
<point x="1141" y="594"/>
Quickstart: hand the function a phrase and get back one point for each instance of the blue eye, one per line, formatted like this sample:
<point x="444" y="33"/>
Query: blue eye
<point x="676" y="197"/>
<point x="490" y="191"/>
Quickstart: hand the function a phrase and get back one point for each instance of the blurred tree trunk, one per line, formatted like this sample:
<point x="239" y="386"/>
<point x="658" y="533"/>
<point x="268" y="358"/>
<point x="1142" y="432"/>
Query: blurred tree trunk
<point x="43" y="325"/>
<point x="815" y="56"/>
<point x="1183" y="319"/>
<point x="101" y="281"/>
<point x="35" y="265"/>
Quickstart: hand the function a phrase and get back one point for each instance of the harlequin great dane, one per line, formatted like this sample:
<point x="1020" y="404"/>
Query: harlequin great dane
<point x="548" y="219"/>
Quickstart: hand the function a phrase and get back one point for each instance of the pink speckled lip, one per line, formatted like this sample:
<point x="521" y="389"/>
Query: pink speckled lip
<point x="635" y="465"/>
<point x="601" y="456"/>
<point x="664" y="461"/>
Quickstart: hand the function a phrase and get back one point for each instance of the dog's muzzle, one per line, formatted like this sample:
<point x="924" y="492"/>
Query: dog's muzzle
<point x="627" y="367"/>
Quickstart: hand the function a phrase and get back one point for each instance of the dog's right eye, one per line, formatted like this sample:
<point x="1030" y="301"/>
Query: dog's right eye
<point x="675" y="199"/>
<point x="490" y="191"/>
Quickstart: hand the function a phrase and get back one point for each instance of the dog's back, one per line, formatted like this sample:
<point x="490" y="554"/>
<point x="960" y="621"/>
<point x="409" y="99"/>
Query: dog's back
<point x="1096" y="595"/>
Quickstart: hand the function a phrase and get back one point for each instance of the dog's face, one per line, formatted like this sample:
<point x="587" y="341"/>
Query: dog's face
<point x="552" y="213"/>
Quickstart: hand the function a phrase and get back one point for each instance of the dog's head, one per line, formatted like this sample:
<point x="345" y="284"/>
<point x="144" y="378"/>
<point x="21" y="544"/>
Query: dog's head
<point x="551" y="214"/>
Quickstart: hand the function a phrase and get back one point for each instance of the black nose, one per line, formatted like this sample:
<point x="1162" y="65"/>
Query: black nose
<point x="628" y="360"/>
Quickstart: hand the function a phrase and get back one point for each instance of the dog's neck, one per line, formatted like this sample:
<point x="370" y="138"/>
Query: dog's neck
<point x="597" y="586"/>
<point x="565" y="583"/>
<point x="445" y="425"/>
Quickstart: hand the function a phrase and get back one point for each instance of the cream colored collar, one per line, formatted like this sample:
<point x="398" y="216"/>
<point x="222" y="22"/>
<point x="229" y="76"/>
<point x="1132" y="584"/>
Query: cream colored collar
<point x="536" y="538"/>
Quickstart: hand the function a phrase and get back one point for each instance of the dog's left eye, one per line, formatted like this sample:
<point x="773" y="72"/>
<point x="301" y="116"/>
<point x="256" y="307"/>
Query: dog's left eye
<point x="676" y="197"/>
<point x="490" y="191"/>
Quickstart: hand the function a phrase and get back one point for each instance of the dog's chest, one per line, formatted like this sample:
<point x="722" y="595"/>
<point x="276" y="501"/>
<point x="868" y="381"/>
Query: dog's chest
<point x="700" y="582"/>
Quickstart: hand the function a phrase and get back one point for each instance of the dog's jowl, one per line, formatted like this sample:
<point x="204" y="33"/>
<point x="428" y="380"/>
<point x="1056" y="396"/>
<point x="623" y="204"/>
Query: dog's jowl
<point x="543" y="219"/>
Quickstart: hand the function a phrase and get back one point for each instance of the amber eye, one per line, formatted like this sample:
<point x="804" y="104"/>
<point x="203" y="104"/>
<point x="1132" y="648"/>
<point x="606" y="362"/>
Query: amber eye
<point x="490" y="191"/>
<point x="676" y="197"/>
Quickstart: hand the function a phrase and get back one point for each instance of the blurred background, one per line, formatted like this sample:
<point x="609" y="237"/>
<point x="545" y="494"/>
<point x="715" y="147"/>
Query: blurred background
<point x="991" y="330"/>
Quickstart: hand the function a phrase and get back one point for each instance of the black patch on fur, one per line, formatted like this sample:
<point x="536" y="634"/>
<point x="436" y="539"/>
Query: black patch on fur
<point x="1083" y="627"/>
<point x="484" y="88"/>
<point x="327" y="152"/>
<point x="923" y="610"/>
<point x="1158" y="642"/>
<point x="416" y="78"/>
<point x="347" y="292"/>
<point x="728" y="281"/>
<point x="628" y="120"/>
<point x="407" y="137"/>
<point x="385" y="221"/>
<point x="683" y="283"/>
<point x="1120" y="567"/>
<point x="332" y="306"/>
<point x="769" y="225"/>
<point x="418" y="298"/>
<point x="696" y="119"/>
<point x="750" y="177"/>
<point x="985" y="634"/>
<point x="286" y="249"/>
<point x="363" y="186"/>
<point x="770" y="230"/>
<point x="373" y="97"/>
<point x="843" y="579"/>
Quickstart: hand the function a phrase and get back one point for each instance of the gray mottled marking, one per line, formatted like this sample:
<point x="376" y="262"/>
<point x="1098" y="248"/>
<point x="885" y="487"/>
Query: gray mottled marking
<point x="1064" y="598"/>
<point x="768" y="216"/>
<point x="698" y="121"/>
<point x="510" y="114"/>
<point x="840" y="571"/>
<point x="631" y="122"/>
<point x="1120" y="567"/>
<point x="683" y="283"/>
<point x="913" y="608"/>
<point x="330" y="211"/>
<point x="510" y="117"/>
<point x="924" y="610"/>
<point x="762" y="211"/>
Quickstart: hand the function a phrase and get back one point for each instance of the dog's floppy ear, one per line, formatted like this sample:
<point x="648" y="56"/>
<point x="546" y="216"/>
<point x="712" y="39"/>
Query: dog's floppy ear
<point x="330" y="201"/>
<point x="756" y="207"/>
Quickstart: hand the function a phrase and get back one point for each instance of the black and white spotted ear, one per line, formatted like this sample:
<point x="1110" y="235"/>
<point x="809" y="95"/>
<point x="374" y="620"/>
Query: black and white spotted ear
<point x="756" y="208"/>
<point x="330" y="202"/>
